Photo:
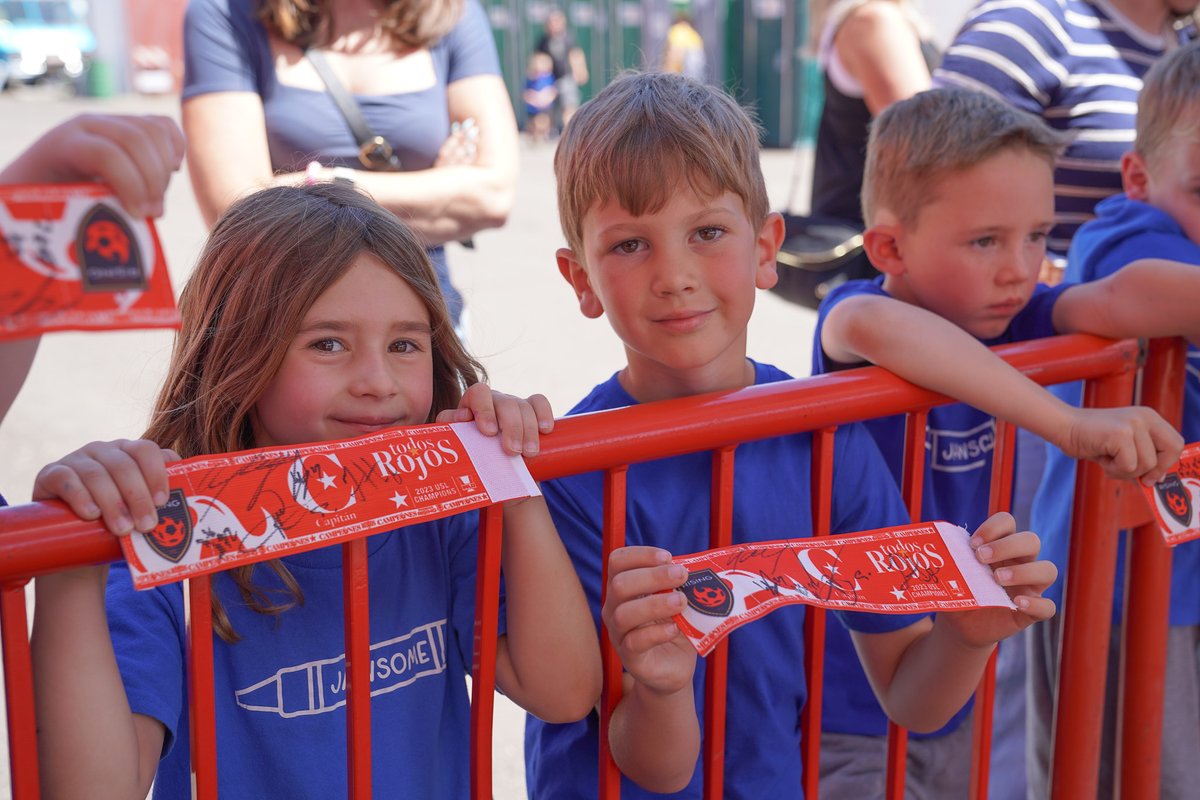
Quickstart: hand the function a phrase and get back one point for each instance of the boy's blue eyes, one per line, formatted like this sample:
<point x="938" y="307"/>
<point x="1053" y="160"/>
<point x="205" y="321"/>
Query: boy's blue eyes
<point x="1037" y="237"/>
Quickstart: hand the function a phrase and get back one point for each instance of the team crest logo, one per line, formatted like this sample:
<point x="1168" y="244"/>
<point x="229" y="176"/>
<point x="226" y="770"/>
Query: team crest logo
<point x="173" y="534"/>
<point x="1174" y="497"/>
<point x="108" y="253"/>
<point x="708" y="594"/>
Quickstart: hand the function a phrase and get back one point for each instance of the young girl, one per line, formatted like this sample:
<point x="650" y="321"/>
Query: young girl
<point x="313" y="314"/>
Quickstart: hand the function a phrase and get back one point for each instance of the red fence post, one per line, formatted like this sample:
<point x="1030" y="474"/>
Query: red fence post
<point x="716" y="666"/>
<point x="18" y="689"/>
<point x="814" y="620"/>
<point x="355" y="592"/>
<point x="1000" y="499"/>
<point x="612" y="537"/>
<point x="1148" y="604"/>
<point x="483" y="671"/>
<point x="912" y="489"/>
<point x="1079" y="714"/>
<point x="201" y="698"/>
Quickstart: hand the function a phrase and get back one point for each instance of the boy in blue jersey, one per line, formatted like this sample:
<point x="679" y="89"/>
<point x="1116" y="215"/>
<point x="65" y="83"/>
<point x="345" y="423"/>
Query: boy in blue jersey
<point x="958" y="199"/>
<point x="662" y="202"/>
<point x="1157" y="216"/>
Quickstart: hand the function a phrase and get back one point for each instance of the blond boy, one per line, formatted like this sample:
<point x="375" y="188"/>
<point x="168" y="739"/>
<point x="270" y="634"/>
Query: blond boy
<point x="958" y="199"/>
<point x="662" y="202"/>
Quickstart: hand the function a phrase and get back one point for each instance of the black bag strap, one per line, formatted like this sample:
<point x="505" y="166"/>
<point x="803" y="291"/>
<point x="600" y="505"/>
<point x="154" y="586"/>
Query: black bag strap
<point x="373" y="151"/>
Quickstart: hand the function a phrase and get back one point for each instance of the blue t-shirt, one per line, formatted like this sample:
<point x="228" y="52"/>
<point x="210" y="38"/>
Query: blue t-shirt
<point x="226" y="49"/>
<point x="959" y="442"/>
<point x="280" y="690"/>
<point x="1077" y="64"/>
<point x="1124" y="231"/>
<point x="668" y="506"/>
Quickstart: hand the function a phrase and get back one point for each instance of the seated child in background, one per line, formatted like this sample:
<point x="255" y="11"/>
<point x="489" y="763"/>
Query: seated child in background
<point x="958" y="199"/>
<point x="1158" y="216"/>
<point x="539" y="95"/>
<point x="135" y="156"/>
<point x="662" y="201"/>
<point x="313" y="314"/>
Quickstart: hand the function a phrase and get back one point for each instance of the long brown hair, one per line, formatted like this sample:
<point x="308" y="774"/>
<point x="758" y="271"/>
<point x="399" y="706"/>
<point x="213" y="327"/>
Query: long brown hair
<point x="408" y="23"/>
<point x="268" y="258"/>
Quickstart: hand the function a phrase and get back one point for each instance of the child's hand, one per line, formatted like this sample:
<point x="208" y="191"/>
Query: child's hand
<point x="134" y="155"/>
<point x="519" y="420"/>
<point x="1133" y="442"/>
<point x="1013" y="559"/>
<point x="637" y="613"/>
<point x="122" y="482"/>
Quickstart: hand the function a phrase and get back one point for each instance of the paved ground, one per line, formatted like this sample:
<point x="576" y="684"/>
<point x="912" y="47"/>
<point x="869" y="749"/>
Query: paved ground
<point x="524" y="326"/>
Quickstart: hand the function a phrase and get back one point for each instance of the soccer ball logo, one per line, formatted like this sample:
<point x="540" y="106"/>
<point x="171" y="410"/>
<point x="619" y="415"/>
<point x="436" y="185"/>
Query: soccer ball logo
<point x="1175" y="498"/>
<point x="710" y="596"/>
<point x="106" y="238"/>
<point x="173" y="534"/>
<point x="708" y="593"/>
<point x="170" y="532"/>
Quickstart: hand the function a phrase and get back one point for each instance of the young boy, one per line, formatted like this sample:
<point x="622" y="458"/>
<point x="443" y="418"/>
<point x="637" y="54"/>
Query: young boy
<point x="1157" y="216"/>
<point x="958" y="200"/>
<point x="663" y="204"/>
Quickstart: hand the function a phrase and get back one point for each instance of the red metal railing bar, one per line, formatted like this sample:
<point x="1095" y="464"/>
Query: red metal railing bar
<point x="1086" y="620"/>
<point x="716" y="666"/>
<point x="814" y="621"/>
<point x="612" y="537"/>
<point x="483" y="669"/>
<point x="202" y="712"/>
<point x="706" y="422"/>
<point x="355" y="593"/>
<point x="1148" y="600"/>
<point x="18" y="688"/>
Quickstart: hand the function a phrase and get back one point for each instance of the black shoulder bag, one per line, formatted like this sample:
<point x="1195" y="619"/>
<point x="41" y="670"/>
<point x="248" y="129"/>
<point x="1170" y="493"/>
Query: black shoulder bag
<point x="819" y="254"/>
<point x="374" y="152"/>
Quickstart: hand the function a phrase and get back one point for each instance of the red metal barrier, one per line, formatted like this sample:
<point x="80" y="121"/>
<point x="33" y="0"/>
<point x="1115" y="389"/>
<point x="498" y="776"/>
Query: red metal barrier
<point x="41" y="538"/>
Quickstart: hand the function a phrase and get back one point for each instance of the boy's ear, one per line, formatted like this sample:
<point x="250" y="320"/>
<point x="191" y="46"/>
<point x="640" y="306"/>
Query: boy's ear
<point x="770" y="239"/>
<point x="1135" y="177"/>
<point x="575" y="274"/>
<point x="882" y="243"/>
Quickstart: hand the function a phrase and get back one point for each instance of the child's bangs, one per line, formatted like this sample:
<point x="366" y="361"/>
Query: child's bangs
<point x="643" y="179"/>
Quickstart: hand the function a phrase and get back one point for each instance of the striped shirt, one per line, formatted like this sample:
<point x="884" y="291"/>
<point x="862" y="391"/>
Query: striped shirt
<point x="1078" y="64"/>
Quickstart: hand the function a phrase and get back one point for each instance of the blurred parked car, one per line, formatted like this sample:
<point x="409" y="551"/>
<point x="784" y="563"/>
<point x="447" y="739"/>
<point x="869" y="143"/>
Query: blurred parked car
<point x="44" y="40"/>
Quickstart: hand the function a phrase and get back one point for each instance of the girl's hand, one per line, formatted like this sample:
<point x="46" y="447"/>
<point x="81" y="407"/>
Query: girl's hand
<point x="519" y="420"/>
<point x="638" y="606"/>
<point x="1012" y="555"/>
<point x="122" y="482"/>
